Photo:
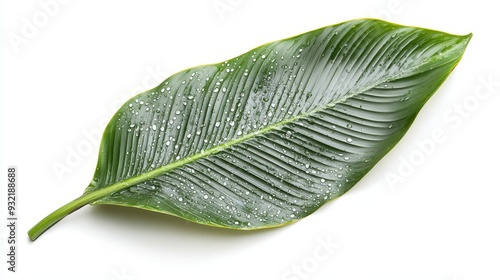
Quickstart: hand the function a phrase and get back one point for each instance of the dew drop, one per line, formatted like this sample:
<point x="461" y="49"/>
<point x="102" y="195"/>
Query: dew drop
<point x="349" y="140"/>
<point x="177" y="112"/>
<point x="153" y="127"/>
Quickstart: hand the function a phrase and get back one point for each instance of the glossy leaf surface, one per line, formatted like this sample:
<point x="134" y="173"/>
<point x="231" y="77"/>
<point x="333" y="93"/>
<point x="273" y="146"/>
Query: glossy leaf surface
<point x="268" y="137"/>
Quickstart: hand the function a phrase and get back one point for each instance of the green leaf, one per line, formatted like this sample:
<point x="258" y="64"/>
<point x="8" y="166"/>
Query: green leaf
<point x="268" y="137"/>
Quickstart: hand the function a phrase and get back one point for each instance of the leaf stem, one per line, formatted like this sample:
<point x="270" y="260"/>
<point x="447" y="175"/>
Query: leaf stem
<point x="69" y="208"/>
<point x="56" y="216"/>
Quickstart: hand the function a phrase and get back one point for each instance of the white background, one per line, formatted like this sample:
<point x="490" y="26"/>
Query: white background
<point x="65" y="76"/>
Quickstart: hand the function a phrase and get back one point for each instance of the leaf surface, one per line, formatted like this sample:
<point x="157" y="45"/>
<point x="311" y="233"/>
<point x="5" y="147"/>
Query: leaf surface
<point x="268" y="137"/>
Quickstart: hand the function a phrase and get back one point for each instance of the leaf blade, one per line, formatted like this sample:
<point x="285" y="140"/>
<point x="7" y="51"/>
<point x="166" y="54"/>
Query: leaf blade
<point x="310" y="108"/>
<point x="268" y="137"/>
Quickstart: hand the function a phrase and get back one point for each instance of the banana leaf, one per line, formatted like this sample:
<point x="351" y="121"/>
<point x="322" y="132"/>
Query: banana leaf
<point x="266" y="138"/>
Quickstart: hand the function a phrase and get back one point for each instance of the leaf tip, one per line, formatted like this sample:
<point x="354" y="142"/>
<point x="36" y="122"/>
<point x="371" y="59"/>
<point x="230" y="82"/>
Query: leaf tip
<point x="462" y="43"/>
<point x="466" y="38"/>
